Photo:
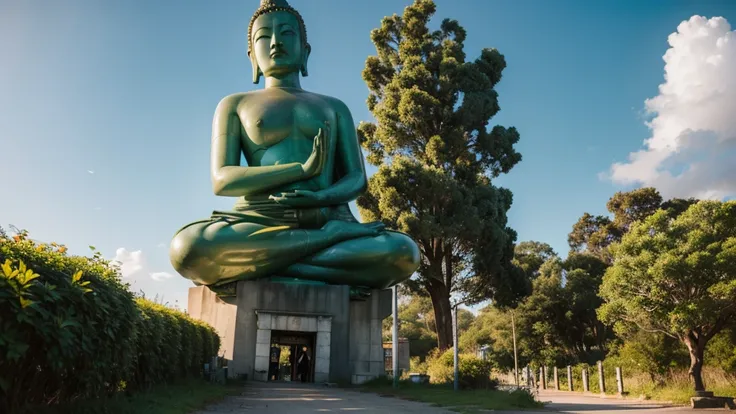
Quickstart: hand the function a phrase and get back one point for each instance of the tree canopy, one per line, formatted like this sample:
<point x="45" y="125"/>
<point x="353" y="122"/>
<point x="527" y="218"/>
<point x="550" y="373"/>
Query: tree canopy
<point x="593" y="234"/>
<point x="557" y="322"/>
<point x="676" y="276"/>
<point x="530" y="255"/>
<point x="437" y="158"/>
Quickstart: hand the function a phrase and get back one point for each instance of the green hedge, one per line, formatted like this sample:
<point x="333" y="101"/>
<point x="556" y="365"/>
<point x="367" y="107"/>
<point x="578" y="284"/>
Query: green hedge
<point x="70" y="329"/>
<point x="474" y="373"/>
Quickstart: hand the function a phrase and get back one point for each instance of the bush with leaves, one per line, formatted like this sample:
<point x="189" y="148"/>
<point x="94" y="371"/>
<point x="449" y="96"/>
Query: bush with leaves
<point x="474" y="373"/>
<point x="67" y="324"/>
<point x="721" y="351"/>
<point x="650" y="353"/>
<point x="70" y="329"/>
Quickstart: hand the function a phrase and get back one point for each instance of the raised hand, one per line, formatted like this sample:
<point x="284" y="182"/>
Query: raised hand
<point x="313" y="166"/>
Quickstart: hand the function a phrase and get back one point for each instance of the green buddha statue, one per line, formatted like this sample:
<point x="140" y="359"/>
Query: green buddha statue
<point x="304" y="164"/>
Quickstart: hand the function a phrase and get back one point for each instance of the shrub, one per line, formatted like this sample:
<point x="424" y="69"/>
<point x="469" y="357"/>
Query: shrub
<point x="474" y="373"/>
<point x="170" y="345"/>
<point x="654" y="354"/>
<point x="721" y="351"/>
<point x="70" y="329"/>
<point x="440" y="367"/>
<point x="417" y="366"/>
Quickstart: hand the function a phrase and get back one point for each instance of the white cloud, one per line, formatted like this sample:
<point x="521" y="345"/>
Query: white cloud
<point x="90" y="171"/>
<point x="131" y="263"/>
<point x="161" y="276"/>
<point x="137" y="272"/>
<point x="692" y="147"/>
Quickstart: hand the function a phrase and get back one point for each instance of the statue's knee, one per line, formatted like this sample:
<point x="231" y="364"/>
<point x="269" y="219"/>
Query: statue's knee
<point x="407" y="253"/>
<point x="186" y="248"/>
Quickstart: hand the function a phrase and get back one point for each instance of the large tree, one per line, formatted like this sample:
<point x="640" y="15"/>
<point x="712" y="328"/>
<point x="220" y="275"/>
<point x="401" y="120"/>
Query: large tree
<point x="540" y="318"/>
<point x="558" y="322"/>
<point x="555" y="324"/>
<point x="593" y="234"/>
<point x="587" y="335"/>
<point x="437" y="158"/>
<point x="492" y="329"/>
<point x="631" y="206"/>
<point x="530" y="255"/>
<point x="676" y="276"/>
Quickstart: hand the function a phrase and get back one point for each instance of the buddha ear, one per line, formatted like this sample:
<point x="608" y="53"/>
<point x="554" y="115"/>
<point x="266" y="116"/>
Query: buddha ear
<point x="256" y="69"/>
<point x="305" y="58"/>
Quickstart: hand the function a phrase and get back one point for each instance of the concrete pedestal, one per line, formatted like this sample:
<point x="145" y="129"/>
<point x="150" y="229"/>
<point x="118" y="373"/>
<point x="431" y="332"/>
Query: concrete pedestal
<point x="348" y="345"/>
<point x="203" y="304"/>
<point x="700" y="402"/>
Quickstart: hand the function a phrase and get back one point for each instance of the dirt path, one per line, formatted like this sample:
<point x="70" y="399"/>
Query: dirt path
<point x="290" y="398"/>
<point x="296" y="398"/>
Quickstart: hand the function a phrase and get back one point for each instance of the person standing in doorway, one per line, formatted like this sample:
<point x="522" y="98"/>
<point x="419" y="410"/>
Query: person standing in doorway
<point x="303" y="364"/>
<point x="273" y="366"/>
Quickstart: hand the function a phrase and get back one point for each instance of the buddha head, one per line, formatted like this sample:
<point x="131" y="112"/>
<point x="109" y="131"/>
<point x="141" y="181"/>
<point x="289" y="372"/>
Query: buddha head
<point x="277" y="40"/>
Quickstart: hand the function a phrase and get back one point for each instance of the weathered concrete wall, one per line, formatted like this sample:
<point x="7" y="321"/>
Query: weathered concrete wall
<point x="353" y="328"/>
<point x="366" y="339"/>
<point x="304" y="299"/>
<point x="204" y="305"/>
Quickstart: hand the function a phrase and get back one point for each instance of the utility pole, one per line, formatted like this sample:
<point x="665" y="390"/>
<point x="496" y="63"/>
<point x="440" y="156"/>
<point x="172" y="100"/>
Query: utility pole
<point x="516" y="361"/>
<point x="455" y="351"/>
<point x="395" y="346"/>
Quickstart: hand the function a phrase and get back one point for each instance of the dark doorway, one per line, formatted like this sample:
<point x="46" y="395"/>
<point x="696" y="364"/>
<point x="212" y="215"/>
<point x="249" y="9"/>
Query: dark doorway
<point x="294" y="352"/>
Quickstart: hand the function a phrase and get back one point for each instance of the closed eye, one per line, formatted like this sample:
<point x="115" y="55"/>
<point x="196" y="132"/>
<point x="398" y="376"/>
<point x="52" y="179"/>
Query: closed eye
<point x="262" y="33"/>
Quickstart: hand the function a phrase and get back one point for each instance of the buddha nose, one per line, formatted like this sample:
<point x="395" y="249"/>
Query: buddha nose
<point x="276" y="43"/>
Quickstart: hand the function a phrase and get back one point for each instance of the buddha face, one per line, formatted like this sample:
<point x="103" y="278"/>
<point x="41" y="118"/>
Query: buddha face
<point x="277" y="45"/>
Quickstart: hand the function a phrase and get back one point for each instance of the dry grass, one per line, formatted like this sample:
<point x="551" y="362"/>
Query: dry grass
<point x="676" y="387"/>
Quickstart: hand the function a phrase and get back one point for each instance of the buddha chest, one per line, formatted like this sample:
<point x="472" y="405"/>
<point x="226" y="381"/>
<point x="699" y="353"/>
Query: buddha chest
<point x="276" y="115"/>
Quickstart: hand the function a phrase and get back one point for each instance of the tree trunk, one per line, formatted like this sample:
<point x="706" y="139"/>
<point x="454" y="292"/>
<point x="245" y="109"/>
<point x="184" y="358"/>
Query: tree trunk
<point x="440" y="296"/>
<point x="696" y="348"/>
<point x="599" y="331"/>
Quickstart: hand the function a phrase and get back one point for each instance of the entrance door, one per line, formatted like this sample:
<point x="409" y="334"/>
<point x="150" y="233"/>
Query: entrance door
<point x="297" y="349"/>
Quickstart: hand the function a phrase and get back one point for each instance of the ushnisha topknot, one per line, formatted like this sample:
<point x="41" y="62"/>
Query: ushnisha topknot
<point x="268" y="6"/>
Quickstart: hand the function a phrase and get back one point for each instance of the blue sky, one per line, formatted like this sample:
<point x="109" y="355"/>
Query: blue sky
<point x="106" y="108"/>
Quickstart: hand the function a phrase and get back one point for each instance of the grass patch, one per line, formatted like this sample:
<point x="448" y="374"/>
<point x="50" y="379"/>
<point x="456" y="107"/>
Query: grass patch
<point x="182" y="397"/>
<point x="443" y="395"/>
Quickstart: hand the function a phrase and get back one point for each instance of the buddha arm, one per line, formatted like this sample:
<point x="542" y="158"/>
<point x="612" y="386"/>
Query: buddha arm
<point x="348" y="154"/>
<point x="229" y="178"/>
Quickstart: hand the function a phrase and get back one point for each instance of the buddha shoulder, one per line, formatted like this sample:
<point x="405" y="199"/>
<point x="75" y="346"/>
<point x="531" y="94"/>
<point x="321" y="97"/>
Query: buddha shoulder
<point x="338" y="105"/>
<point x="231" y="102"/>
<point x="333" y="103"/>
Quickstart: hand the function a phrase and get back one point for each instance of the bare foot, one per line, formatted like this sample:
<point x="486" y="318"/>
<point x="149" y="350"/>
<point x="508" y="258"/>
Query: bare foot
<point x="345" y="230"/>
